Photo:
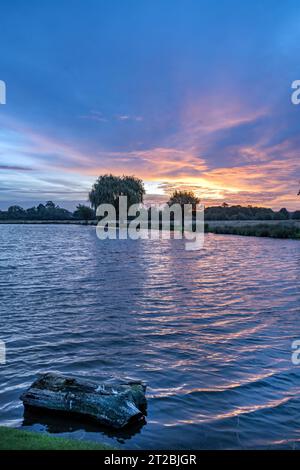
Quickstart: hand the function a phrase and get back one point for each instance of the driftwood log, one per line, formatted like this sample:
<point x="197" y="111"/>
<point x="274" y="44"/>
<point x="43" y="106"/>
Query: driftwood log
<point x="111" y="405"/>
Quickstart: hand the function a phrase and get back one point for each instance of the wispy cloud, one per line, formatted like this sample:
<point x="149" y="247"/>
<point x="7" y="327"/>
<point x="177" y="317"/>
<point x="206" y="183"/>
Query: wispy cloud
<point x="126" y="117"/>
<point x="15" y="168"/>
<point x="96" y="116"/>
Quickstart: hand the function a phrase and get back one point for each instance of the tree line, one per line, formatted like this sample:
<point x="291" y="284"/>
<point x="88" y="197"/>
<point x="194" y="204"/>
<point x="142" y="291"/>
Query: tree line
<point x="108" y="188"/>
<point x="48" y="211"/>
<point x="237" y="212"/>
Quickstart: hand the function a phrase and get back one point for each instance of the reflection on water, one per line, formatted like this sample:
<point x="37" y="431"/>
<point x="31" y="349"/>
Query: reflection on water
<point x="57" y="423"/>
<point x="210" y="331"/>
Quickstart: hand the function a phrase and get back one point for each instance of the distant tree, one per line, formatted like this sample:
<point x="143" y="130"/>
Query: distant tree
<point x="16" y="212"/>
<point x="240" y="213"/>
<point x="261" y="213"/>
<point x="283" y="214"/>
<point x="50" y="205"/>
<point x="108" y="188"/>
<point x="31" y="213"/>
<point x="183" y="197"/>
<point x="49" y="211"/>
<point x="41" y="212"/>
<point x="84" y="213"/>
<point x="62" y="214"/>
<point x="296" y="215"/>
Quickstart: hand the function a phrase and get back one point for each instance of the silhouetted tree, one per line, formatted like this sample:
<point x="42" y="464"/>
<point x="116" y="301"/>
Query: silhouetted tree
<point x="283" y="214"/>
<point x="241" y="213"/>
<point x="108" y="188"/>
<point x="84" y="213"/>
<point x="16" y="212"/>
<point x="183" y="197"/>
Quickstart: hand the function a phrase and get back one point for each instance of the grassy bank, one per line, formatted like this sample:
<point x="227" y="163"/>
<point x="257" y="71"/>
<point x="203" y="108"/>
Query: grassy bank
<point x="15" y="439"/>
<point x="272" y="228"/>
<point x="259" y="230"/>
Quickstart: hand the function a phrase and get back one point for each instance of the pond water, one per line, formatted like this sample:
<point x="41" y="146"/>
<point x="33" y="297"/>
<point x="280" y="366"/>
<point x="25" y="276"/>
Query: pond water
<point x="210" y="331"/>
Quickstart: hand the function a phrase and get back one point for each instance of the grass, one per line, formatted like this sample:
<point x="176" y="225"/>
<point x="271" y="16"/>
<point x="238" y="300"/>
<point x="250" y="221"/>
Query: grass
<point x="259" y="230"/>
<point x="15" y="439"/>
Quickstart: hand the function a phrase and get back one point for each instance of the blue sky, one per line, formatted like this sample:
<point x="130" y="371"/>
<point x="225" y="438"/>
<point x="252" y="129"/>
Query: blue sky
<point x="191" y="94"/>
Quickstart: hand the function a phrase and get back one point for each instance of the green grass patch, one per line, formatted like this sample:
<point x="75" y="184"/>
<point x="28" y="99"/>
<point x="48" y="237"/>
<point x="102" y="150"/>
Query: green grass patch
<point x="259" y="230"/>
<point x="15" y="439"/>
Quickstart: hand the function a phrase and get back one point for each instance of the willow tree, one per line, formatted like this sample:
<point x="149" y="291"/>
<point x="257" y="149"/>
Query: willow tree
<point x="108" y="188"/>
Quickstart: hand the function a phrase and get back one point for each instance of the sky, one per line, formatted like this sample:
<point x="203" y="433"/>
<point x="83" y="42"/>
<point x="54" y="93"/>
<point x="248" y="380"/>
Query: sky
<point x="189" y="94"/>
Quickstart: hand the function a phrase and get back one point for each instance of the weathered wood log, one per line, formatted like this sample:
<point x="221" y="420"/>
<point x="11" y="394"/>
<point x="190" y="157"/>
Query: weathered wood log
<point x="109" y="404"/>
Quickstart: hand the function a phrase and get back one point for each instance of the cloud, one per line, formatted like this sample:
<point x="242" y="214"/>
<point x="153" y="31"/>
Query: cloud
<point x="15" y="168"/>
<point x="126" y="117"/>
<point x="274" y="183"/>
<point x="232" y="152"/>
<point x="94" y="116"/>
<point x="98" y="116"/>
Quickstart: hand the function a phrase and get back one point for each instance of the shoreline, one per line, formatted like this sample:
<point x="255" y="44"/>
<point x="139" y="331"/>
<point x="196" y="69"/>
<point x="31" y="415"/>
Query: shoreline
<point x="282" y="229"/>
<point x="211" y="223"/>
<point x="48" y="222"/>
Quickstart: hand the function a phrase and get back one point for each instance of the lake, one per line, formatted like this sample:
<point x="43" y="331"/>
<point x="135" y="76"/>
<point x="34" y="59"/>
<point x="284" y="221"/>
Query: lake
<point x="210" y="331"/>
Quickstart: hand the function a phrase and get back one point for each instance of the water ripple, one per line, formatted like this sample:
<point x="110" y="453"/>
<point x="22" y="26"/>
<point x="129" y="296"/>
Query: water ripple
<point x="210" y="331"/>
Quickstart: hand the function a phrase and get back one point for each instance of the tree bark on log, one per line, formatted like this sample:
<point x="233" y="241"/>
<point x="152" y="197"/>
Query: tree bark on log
<point x="111" y="405"/>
